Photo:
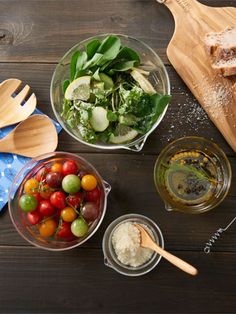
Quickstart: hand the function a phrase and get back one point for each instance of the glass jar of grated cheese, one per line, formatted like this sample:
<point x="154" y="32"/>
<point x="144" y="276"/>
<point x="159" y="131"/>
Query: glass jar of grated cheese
<point x="121" y="245"/>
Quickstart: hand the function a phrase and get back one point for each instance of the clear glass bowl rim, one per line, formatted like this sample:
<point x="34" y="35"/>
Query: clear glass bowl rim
<point x="208" y="142"/>
<point x="105" y="185"/>
<point x="110" y="228"/>
<point x="139" y="142"/>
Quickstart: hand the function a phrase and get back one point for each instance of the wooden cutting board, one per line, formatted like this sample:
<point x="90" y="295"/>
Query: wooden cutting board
<point x="187" y="54"/>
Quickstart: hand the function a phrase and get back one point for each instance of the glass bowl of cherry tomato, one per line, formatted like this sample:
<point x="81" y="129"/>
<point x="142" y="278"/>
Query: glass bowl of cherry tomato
<point x="58" y="201"/>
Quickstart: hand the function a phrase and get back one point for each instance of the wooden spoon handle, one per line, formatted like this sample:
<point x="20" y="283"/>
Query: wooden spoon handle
<point x="175" y="260"/>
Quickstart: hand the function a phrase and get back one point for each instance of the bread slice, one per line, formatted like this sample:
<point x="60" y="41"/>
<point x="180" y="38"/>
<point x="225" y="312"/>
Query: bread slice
<point x="222" y="49"/>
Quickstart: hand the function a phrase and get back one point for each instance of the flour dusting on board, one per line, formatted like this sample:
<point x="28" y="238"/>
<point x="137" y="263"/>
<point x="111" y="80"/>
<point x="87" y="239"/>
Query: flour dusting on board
<point x="217" y="97"/>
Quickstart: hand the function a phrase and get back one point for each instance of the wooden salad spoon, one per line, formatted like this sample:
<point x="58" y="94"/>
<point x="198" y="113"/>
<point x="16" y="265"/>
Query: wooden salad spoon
<point x="32" y="137"/>
<point x="147" y="242"/>
<point x="11" y="109"/>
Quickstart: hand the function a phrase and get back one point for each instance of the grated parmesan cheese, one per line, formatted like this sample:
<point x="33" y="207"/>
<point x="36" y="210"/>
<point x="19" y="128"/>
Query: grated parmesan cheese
<point x="126" y="243"/>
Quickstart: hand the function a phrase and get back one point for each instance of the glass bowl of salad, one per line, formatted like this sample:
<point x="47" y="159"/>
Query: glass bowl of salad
<point x="110" y="92"/>
<point x="58" y="201"/>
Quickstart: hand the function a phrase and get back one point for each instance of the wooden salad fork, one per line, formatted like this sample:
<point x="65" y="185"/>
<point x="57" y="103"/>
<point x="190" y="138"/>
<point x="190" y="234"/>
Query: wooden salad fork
<point x="11" y="109"/>
<point x="32" y="137"/>
<point x="147" y="242"/>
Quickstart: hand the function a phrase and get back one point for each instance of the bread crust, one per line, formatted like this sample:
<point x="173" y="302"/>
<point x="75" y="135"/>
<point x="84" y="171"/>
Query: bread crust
<point x="222" y="49"/>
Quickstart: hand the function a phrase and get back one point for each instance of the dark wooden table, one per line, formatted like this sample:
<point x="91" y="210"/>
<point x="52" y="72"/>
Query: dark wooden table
<point x="33" y="36"/>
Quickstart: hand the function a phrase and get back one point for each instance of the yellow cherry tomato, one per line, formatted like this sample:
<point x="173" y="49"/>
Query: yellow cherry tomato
<point x="31" y="186"/>
<point x="68" y="214"/>
<point x="47" y="228"/>
<point x="89" y="182"/>
<point x="57" y="167"/>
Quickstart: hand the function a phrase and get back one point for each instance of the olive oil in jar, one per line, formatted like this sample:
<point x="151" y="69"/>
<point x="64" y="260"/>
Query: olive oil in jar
<point x="191" y="177"/>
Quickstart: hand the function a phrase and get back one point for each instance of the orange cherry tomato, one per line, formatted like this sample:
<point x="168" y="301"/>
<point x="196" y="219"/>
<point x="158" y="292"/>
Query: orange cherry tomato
<point x="46" y="191"/>
<point x="31" y="186"/>
<point x="57" y="167"/>
<point x="47" y="228"/>
<point x="68" y="214"/>
<point x="88" y="182"/>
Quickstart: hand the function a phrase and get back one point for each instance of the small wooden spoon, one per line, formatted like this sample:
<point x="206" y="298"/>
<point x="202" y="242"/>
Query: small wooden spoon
<point x="34" y="136"/>
<point x="147" y="242"/>
<point x="11" y="109"/>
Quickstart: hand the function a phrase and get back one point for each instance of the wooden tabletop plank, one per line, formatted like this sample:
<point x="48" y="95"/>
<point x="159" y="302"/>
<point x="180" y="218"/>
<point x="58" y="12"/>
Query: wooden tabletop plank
<point x="36" y="281"/>
<point x="36" y="34"/>
<point x="183" y="118"/>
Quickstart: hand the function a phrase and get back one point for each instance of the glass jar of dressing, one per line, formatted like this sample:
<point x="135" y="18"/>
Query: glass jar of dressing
<point x="192" y="175"/>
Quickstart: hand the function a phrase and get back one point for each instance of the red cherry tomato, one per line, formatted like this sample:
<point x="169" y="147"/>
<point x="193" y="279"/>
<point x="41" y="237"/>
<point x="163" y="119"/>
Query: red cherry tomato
<point x="64" y="231"/>
<point x="69" y="167"/>
<point x="34" y="217"/>
<point x="46" y="208"/>
<point x="45" y="191"/>
<point x="74" y="200"/>
<point x="58" y="199"/>
<point x="38" y="197"/>
<point x="93" y="196"/>
<point x="41" y="174"/>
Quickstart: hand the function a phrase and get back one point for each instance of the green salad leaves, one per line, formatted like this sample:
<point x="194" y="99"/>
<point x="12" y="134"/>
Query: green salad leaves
<point x="108" y="98"/>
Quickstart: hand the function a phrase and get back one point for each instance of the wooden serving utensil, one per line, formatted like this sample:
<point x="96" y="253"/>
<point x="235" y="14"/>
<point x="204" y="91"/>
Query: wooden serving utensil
<point x="11" y="109"/>
<point x="147" y="242"/>
<point x="34" y="136"/>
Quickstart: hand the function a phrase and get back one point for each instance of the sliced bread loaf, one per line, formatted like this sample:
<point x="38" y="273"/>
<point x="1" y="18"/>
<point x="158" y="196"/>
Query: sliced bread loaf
<point x="222" y="49"/>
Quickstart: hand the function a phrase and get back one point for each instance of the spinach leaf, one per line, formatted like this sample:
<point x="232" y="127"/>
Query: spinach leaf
<point x="92" y="48"/>
<point x="73" y="64"/>
<point x="128" y="54"/>
<point x="109" y="47"/>
<point x="160" y="102"/>
<point x="81" y="59"/>
<point x="123" y="66"/>
<point x="80" y="73"/>
<point x="65" y="85"/>
<point x="94" y="61"/>
<point x="126" y="59"/>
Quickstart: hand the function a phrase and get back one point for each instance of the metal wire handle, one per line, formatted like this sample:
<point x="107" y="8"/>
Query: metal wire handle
<point x="216" y="236"/>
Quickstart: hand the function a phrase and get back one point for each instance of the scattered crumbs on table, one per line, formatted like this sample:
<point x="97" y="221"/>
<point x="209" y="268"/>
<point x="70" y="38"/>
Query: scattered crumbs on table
<point x="187" y="119"/>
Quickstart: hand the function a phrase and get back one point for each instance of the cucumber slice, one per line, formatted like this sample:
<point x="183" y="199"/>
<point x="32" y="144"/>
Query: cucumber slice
<point x="99" y="119"/>
<point x="123" y="134"/>
<point x="79" y="89"/>
<point x="108" y="83"/>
